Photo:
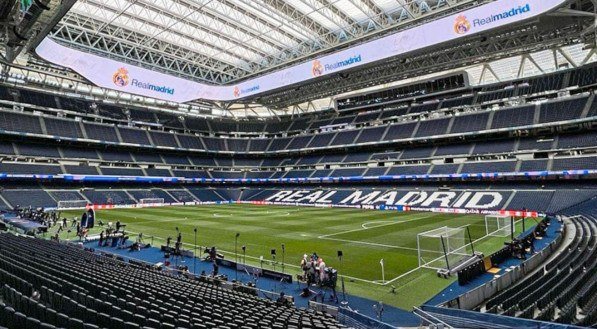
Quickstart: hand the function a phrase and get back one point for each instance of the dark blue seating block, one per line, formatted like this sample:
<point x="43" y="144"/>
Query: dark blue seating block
<point x="488" y="167"/>
<point x="371" y="134"/>
<point x="345" y="137"/>
<point x="432" y="127"/>
<point x="20" y="122"/>
<point x="562" y="110"/>
<point x="400" y="131"/>
<point x="514" y="117"/>
<point x="134" y="136"/>
<point x="101" y="132"/>
<point x="469" y="123"/>
<point x="190" y="142"/>
<point x="63" y="128"/>
<point x="36" y="150"/>
<point x="575" y="163"/>
<point x="163" y="139"/>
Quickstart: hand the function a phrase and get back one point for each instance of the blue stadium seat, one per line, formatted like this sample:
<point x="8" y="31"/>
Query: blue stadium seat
<point x="470" y="123"/>
<point x="432" y="127"/>
<point x="562" y="110"/>
<point x="400" y="131"/>
<point x="345" y="137"/>
<point x="513" y="117"/>
<point x="190" y="142"/>
<point x="63" y="128"/>
<point x="20" y="122"/>
<point x="101" y="132"/>
<point x="374" y="134"/>
<point x="36" y="150"/>
<point x="134" y="136"/>
<point x="237" y="145"/>
<point x="163" y="139"/>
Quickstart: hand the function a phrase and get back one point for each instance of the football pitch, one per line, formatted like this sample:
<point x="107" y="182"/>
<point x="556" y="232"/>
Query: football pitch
<point x="364" y="236"/>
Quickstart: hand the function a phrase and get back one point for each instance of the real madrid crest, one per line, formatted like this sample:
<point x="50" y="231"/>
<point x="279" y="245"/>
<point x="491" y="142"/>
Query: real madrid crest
<point x="121" y="77"/>
<point x="462" y="25"/>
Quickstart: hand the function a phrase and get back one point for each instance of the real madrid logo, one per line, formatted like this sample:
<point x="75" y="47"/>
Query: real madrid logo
<point x="236" y="92"/>
<point x="462" y="25"/>
<point x="317" y="68"/>
<point x="121" y="77"/>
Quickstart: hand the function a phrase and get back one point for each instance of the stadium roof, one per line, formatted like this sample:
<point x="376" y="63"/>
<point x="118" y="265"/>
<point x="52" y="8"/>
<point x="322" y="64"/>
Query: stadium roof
<point x="227" y="43"/>
<point x="224" y="41"/>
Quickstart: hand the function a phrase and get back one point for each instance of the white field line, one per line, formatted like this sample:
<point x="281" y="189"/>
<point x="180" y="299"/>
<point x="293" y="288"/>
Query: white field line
<point x="326" y="237"/>
<point x="273" y="213"/>
<point x="364" y="229"/>
<point x="366" y="224"/>
<point x="420" y="267"/>
<point x="166" y="220"/>
<point x="232" y="253"/>
<point x="399" y="277"/>
<point x="225" y="251"/>
<point x="369" y="243"/>
<point x="215" y="214"/>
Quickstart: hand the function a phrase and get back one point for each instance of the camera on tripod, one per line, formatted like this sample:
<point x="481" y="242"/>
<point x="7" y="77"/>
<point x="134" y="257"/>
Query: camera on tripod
<point x="331" y="278"/>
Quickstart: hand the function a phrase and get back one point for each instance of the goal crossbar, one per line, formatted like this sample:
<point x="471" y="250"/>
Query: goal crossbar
<point x="72" y="204"/>
<point x="151" y="201"/>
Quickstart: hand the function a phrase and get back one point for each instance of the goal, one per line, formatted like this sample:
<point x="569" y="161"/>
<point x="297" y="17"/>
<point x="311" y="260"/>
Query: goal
<point x="444" y="248"/>
<point x="72" y="204"/>
<point x="151" y="201"/>
<point x="498" y="225"/>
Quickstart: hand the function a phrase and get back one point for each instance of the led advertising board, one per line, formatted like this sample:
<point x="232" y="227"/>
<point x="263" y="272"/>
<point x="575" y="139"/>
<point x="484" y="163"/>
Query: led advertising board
<point x="111" y="74"/>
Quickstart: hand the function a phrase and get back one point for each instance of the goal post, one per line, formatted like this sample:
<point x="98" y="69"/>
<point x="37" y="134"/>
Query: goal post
<point x="498" y="225"/>
<point x="151" y="201"/>
<point x="72" y="204"/>
<point x="444" y="248"/>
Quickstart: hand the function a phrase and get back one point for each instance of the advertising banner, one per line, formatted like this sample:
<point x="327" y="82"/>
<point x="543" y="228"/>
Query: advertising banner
<point x="111" y="74"/>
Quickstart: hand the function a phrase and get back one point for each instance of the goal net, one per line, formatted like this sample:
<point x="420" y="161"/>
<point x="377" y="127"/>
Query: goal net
<point x="498" y="225"/>
<point x="444" y="247"/>
<point x="72" y="204"/>
<point x="151" y="201"/>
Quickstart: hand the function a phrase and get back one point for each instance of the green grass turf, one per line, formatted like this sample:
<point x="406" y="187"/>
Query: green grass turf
<point x="389" y="235"/>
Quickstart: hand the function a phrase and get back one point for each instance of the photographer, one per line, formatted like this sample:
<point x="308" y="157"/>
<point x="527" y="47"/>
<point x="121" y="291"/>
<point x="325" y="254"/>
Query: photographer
<point x="311" y="274"/>
<point x="282" y="300"/>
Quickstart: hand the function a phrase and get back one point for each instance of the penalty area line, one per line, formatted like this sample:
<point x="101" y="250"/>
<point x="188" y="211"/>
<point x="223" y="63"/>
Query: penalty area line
<point x="368" y="243"/>
<point x="365" y="225"/>
<point x="383" y="225"/>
